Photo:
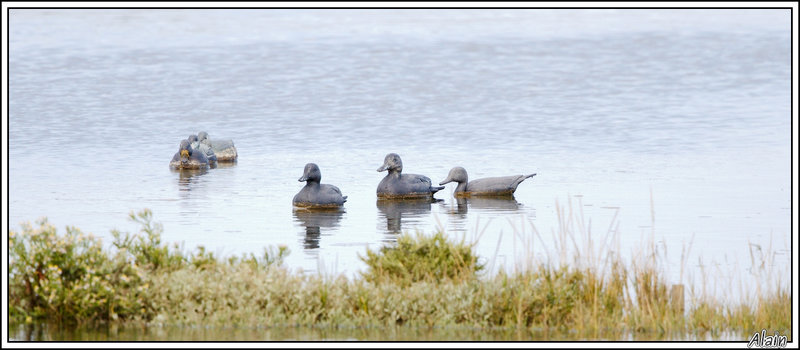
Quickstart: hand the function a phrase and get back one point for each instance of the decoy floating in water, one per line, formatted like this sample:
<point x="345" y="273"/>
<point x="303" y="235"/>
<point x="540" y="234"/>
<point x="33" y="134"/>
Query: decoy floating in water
<point x="187" y="158"/>
<point x="489" y="186"/>
<point x="397" y="185"/>
<point x="202" y="147"/>
<point x="315" y="194"/>
<point x="223" y="149"/>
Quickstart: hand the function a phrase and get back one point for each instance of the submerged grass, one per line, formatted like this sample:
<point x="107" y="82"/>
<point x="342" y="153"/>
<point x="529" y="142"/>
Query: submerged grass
<point x="421" y="281"/>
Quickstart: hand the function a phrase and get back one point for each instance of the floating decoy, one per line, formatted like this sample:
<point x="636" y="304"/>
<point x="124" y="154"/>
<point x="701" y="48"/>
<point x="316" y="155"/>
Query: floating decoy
<point x="187" y="158"/>
<point x="315" y="194"/>
<point x="489" y="186"/>
<point x="397" y="185"/>
<point x="223" y="149"/>
<point x="202" y="147"/>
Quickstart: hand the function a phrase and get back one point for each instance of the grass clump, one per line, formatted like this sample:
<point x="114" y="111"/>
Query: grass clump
<point x="422" y="258"/>
<point x="770" y="312"/>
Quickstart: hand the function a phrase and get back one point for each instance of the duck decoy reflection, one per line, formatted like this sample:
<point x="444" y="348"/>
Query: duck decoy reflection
<point x="395" y="211"/>
<point x="397" y="185"/>
<point x="499" y="203"/>
<point x="189" y="180"/>
<point x="186" y="176"/>
<point x="315" y="220"/>
<point x="495" y="203"/>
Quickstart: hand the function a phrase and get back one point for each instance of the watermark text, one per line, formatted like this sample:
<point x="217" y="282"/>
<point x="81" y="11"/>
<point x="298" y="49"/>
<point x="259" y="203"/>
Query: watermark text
<point x="762" y="340"/>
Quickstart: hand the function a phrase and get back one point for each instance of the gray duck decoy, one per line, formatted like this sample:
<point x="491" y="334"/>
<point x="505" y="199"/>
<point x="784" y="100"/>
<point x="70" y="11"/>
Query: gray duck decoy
<point x="315" y="194"/>
<point x="489" y="186"/>
<point x="202" y="147"/>
<point x="187" y="158"/>
<point x="223" y="149"/>
<point x="403" y="186"/>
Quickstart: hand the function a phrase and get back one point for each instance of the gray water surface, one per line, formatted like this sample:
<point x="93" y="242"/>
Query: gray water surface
<point x="671" y="123"/>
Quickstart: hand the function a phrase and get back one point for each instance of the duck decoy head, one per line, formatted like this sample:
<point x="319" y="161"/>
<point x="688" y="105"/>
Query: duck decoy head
<point x="457" y="174"/>
<point x="311" y="173"/>
<point x="185" y="151"/>
<point x="392" y="162"/>
<point x="202" y="136"/>
<point x="192" y="138"/>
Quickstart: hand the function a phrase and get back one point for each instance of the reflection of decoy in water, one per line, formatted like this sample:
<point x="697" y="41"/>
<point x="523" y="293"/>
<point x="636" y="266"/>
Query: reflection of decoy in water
<point x="489" y="186"/>
<point x="186" y="177"/>
<point x="313" y="220"/>
<point x="223" y="165"/>
<point x="499" y="203"/>
<point x="311" y="237"/>
<point x="395" y="210"/>
<point x="496" y="203"/>
<point x="462" y="207"/>
<point x="188" y="158"/>
<point x="396" y="185"/>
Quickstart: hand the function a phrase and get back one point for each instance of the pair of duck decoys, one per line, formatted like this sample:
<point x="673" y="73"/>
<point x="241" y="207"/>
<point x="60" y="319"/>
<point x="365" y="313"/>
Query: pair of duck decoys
<point x="397" y="185"/>
<point x="198" y="152"/>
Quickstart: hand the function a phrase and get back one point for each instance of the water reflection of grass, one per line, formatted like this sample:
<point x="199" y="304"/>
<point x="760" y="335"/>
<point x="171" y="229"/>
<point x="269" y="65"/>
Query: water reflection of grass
<point x="421" y="282"/>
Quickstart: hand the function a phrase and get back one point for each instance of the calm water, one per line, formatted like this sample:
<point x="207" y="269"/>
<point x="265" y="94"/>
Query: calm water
<point x="606" y="106"/>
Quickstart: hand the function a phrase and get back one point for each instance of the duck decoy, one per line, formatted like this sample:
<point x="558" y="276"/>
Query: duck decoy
<point x="489" y="186"/>
<point x="202" y="147"/>
<point x="397" y="185"/>
<point x="223" y="149"/>
<point x="187" y="158"/>
<point x="315" y="194"/>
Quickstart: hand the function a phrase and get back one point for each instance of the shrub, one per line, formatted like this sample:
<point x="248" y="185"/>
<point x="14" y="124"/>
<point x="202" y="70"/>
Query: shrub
<point x="69" y="278"/>
<point x="422" y="258"/>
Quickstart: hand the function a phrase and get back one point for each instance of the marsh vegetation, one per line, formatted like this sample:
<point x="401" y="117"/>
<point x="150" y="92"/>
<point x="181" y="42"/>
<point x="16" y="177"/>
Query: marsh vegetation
<point x="420" y="282"/>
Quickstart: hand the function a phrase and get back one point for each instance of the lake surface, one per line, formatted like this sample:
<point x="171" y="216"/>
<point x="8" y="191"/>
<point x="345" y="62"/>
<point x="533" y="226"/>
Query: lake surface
<point x="670" y="123"/>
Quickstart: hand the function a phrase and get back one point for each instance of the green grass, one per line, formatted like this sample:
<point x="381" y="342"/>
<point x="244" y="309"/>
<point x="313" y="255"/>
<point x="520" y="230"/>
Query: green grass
<point x="420" y="258"/>
<point x="421" y="281"/>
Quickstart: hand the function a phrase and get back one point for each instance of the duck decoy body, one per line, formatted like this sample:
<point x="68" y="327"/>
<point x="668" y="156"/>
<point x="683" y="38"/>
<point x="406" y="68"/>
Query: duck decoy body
<point x="314" y="194"/>
<point x="397" y="185"/>
<point x="187" y="158"/>
<point x="489" y="186"/>
<point x="223" y="149"/>
<point x="194" y="142"/>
